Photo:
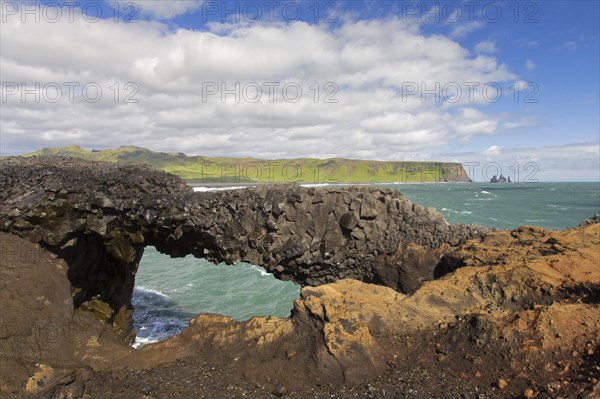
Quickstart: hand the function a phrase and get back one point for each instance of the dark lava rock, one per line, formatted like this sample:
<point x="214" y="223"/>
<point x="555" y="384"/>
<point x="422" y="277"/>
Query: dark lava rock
<point x="592" y="220"/>
<point x="279" y="390"/>
<point x="99" y="216"/>
<point x="349" y="220"/>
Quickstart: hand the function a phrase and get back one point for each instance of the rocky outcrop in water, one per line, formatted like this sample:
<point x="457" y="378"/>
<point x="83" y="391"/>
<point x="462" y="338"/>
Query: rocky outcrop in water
<point x="592" y="220"/>
<point x="99" y="216"/>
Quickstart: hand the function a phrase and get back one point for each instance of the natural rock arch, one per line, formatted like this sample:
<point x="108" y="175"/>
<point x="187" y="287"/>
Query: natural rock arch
<point x="99" y="216"/>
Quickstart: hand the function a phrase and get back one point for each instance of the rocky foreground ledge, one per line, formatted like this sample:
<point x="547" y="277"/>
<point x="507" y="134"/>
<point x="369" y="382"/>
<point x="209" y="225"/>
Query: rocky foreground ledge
<point x="490" y="314"/>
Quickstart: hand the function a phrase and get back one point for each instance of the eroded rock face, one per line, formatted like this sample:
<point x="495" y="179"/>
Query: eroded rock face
<point x="538" y="305"/>
<point x="98" y="217"/>
<point x="344" y="330"/>
<point x="38" y="321"/>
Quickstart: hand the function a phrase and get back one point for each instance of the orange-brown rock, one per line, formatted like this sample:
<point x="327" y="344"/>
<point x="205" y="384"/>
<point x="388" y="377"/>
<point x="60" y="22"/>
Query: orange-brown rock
<point x="346" y="326"/>
<point x="515" y="303"/>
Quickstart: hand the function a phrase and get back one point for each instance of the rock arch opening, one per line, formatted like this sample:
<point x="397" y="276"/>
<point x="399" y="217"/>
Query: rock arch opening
<point x="168" y="292"/>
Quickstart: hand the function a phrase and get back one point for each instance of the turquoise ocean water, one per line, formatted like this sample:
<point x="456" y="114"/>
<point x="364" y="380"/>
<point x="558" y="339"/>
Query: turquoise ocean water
<point x="169" y="292"/>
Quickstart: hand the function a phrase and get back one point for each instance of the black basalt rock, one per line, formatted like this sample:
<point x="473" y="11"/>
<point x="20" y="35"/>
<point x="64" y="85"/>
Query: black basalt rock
<point x="99" y="216"/>
<point x="349" y="221"/>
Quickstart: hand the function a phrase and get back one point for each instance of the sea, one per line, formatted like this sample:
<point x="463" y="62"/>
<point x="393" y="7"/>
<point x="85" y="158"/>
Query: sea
<point x="170" y="291"/>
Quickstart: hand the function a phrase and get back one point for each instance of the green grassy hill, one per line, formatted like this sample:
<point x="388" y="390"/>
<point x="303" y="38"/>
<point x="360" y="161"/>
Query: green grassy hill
<point x="201" y="169"/>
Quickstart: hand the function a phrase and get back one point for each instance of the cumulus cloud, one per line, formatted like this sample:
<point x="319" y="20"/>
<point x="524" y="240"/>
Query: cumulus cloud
<point x="486" y="46"/>
<point x="530" y="65"/>
<point x="167" y="9"/>
<point x="235" y="89"/>
<point x="524" y="42"/>
<point x="522" y="122"/>
<point x="493" y="150"/>
<point x="570" y="46"/>
<point x="520" y="85"/>
<point x="460" y="30"/>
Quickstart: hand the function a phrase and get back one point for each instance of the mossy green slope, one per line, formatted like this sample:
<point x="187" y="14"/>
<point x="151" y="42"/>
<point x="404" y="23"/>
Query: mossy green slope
<point x="201" y="169"/>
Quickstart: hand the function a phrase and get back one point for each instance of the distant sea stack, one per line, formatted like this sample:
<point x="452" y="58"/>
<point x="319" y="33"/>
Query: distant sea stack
<point x="501" y="179"/>
<point x="201" y="169"/>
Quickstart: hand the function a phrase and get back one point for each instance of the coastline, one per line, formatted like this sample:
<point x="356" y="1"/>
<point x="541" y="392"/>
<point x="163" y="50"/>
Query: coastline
<point x="392" y="292"/>
<point x="331" y="184"/>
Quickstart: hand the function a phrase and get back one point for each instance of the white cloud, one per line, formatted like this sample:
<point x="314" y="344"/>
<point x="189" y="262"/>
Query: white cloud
<point x="367" y="62"/>
<point x="524" y="42"/>
<point x="570" y="162"/>
<point x="530" y="65"/>
<point x="493" y="150"/>
<point x="471" y="123"/>
<point x="460" y="30"/>
<point x="167" y="9"/>
<point x="520" y="85"/>
<point x="570" y="45"/>
<point x="523" y="122"/>
<point x="486" y="46"/>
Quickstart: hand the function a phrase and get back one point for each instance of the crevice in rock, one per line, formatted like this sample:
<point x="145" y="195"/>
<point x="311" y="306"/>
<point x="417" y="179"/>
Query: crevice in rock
<point x="164" y="302"/>
<point x="588" y="293"/>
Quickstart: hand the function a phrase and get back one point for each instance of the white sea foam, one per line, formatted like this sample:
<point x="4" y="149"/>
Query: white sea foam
<point x="317" y="185"/>
<point x="210" y="189"/>
<point x="449" y="210"/>
<point x="262" y="271"/>
<point x="145" y="290"/>
<point x="141" y="341"/>
<point x="559" y="207"/>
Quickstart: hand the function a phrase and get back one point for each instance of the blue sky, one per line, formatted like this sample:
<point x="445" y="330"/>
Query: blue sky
<point x="368" y="55"/>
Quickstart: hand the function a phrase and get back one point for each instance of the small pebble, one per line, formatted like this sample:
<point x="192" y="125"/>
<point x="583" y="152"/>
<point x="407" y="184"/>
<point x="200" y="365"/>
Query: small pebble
<point x="501" y="383"/>
<point x="279" y="390"/>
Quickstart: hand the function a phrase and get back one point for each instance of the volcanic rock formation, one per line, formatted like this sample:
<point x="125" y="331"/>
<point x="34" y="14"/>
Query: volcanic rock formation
<point x="535" y="309"/>
<point x="487" y="311"/>
<point x="99" y="216"/>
